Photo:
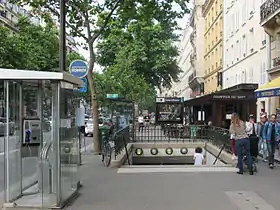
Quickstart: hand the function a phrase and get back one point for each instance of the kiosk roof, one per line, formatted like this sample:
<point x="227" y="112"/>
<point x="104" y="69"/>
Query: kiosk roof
<point x="15" y="74"/>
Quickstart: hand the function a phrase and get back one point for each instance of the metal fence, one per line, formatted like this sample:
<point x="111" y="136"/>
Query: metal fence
<point x="121" y="138"/>
<point x="217" y="136"/>
<point x="177" y="133"/>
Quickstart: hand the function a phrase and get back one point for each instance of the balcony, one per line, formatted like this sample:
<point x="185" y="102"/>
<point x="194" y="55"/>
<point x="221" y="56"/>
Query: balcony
<point x="192" y="19"/>
<point x="192" y="36"/>
<point x="2" y="4"/>
<point x="195" y="80"/>
<point x="6" y="21"/>
<point x="270" y="19"/>
<point x="193" y="58"/>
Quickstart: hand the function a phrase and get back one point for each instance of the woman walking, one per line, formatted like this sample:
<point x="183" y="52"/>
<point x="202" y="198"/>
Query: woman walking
<point x="238" y="129"/>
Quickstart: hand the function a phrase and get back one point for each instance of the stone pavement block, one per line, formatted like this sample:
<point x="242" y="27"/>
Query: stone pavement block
<point x="105" y="189"/>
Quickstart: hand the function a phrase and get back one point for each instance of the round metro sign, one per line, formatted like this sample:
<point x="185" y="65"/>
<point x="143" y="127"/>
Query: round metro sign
<point x="79" y="68"/>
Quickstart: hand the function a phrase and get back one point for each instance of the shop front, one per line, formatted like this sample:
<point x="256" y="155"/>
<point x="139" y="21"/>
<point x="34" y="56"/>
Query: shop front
<point x="270" y="90"/>
<point x="218" y="107"/>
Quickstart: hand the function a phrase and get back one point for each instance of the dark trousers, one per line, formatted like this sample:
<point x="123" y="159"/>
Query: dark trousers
<point x="240" y="144"/>
<point x="141" y="126"/>
<point x="271" y="146"/>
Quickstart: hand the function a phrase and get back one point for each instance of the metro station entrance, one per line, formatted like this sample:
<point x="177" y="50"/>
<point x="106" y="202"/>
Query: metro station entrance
<point x="39" y="137"/>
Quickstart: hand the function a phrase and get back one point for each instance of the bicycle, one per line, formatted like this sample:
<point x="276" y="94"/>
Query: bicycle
<point x="106" y="152"/>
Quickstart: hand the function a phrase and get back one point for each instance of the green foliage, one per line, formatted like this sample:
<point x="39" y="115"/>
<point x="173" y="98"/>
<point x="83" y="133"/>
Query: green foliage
<point x="71" y="57"/>
<point x="127" y="84"/>
<point x="141" y="39"/>
<point x="34" y="47"/>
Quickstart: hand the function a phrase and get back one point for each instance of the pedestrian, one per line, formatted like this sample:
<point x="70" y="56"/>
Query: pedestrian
<point x="271" y="136"/>
<point x="262" y="147"/>
<point x="140" y="122"/>
<point x="198" y="157"/>
<point x="252" y="133"/>
<point x="238" y="129"/>
<point x="233" y="147"/>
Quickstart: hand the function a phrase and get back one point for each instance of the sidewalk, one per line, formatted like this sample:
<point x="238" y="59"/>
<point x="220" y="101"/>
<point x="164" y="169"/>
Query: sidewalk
<point x="106" y="189"/>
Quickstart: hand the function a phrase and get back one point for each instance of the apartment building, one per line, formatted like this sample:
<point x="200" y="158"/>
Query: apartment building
<point x="270" y="21"/>
<point x="244" y="46"/>
<point x="9" y="14"/>
<point x="196" y="81"/>
<point x="182" y="88"/>
<point x="213" y="45"/>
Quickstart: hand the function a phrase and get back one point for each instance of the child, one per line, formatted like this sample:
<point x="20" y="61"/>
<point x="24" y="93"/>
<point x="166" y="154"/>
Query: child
<point x="198" y="157"/>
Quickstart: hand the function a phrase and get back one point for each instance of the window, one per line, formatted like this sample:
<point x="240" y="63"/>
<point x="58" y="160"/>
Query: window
<point x="263" y="73"/>
<point x="244" y="12"/>
<point x="251" y="40"/>
<point x="251" y="75"/>
<point x="251" y="7"/>
<point x="237" y="18"/>
<point x="263" y="35"/>
<point x="244" y="46"/>
<point x="233" y="54"/>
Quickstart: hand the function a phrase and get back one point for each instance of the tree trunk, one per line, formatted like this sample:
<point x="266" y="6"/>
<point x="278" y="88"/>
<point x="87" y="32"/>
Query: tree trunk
<point x="94" y="104"/>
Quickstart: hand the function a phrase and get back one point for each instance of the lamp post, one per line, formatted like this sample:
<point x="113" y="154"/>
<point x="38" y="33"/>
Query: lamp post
<point x="62" y="45"/>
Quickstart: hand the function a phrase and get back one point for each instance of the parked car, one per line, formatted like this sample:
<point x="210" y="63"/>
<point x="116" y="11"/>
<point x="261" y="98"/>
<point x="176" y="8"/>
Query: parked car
<point x="89" y="127"/>
<point x="3" y="124"/>
<point x="101" y="122"/>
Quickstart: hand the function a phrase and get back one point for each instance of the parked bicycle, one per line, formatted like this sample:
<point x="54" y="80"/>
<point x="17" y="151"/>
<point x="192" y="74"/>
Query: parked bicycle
<point x="106" y="153"/>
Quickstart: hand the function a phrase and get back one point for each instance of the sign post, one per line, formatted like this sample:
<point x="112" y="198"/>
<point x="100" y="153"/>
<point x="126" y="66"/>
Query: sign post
<point x="79" y="68"/>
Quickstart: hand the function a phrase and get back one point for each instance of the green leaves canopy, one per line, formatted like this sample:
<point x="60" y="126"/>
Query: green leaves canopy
<point x="34" y="47"/>
<point x="142" y="36"/>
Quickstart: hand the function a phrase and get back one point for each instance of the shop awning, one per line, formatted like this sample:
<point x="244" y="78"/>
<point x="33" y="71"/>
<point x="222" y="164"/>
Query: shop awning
<point x="269" y="89"/>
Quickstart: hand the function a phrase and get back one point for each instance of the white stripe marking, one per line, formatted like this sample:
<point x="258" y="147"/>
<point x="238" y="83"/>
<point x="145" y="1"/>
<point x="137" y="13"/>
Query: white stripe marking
<point x="176" y="170"/>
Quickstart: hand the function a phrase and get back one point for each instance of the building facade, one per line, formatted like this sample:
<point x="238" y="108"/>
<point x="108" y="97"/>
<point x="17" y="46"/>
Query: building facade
<point x="9" y="14"/>
<point x="244" y="47"/>
<point x="196" y="81"/>
<point x="213" y="45"/>
<point x="270" y="21"/>
<point x="181" y="88"/>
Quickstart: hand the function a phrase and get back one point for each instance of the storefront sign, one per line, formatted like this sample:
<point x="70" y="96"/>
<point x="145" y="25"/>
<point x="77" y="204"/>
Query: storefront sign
<point x="169" y="100"/>
<point x="229" y="97"/>
<point x="268" y="93"/>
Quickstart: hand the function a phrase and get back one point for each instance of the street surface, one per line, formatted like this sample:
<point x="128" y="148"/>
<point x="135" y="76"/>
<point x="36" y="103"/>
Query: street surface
<point x="105" y="188"/>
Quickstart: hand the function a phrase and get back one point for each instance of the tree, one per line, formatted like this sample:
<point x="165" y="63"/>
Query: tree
<point x="70" y="57"/>
<point x="94" y="16"/>
<point x="34" y="47"/>
<point x="147" y="42"/>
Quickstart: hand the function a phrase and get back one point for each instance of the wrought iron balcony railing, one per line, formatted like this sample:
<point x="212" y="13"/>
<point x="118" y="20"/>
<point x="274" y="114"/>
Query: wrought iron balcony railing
<point x="268" y="8"/>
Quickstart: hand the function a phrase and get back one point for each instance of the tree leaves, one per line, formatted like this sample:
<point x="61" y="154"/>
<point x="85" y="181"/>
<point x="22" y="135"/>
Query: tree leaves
<point x="34" y="47"/>
<point x="142" y="38"/>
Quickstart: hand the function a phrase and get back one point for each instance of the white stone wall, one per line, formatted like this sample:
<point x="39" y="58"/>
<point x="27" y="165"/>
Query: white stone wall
<point x="182" y="88"/>
<point x="244" y="41"/>
<point x="199" y="41"/>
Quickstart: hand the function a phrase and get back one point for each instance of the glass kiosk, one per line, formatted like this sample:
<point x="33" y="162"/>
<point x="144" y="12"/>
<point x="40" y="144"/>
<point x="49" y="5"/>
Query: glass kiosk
<point x="39" y="138"/>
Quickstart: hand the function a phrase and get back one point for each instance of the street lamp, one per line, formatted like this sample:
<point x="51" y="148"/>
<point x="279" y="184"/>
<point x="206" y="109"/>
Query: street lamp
<point x="62" y="44"/>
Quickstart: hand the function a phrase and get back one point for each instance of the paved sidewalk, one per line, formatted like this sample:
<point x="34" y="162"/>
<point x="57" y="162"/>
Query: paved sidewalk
<point x="105" y="189"/>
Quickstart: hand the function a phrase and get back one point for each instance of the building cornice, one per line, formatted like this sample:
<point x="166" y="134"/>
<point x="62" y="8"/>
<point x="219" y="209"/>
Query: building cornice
<point x="212" y="24"/>
<point x="212" y="48"/>
<point x="207" y="6"/>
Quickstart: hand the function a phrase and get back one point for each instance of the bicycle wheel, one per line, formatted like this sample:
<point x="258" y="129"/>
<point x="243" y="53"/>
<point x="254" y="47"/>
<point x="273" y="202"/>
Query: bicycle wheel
<point x="107" y="155"/>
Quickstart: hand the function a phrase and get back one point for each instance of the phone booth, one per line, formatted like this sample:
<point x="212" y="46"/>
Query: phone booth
<point x="39" y="138"/>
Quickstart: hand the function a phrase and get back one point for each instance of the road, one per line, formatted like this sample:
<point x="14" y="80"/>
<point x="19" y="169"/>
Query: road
<point x="29" y="164"/>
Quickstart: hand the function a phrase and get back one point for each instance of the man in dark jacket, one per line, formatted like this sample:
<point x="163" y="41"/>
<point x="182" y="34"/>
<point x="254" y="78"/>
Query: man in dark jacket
<point x="270" y="135"/>
<point x="262" y="146"/>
